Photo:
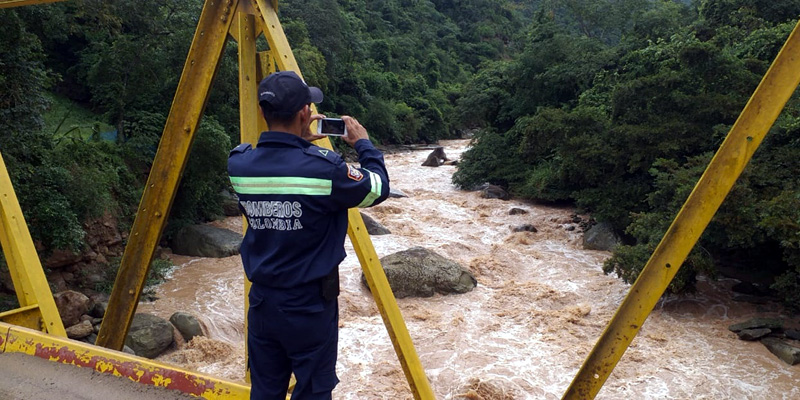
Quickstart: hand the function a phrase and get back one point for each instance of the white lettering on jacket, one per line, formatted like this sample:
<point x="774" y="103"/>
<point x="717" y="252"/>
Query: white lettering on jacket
<point x="274" y="215"/>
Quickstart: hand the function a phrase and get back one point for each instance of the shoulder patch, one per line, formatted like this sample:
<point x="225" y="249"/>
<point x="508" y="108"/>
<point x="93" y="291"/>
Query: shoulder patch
<point x="241" y="148"/>
<point x="354" y="174"/>
<point x="324" y="153"/>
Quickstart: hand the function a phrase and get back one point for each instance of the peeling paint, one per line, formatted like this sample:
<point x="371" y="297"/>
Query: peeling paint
<point x="156" y="376"/>
<point x="143" y="371"/>
<point x="3" y="339"/>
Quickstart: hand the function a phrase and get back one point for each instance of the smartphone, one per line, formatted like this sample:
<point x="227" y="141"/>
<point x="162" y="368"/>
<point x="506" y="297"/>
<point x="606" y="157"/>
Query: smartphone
<point x="331" y="127"/>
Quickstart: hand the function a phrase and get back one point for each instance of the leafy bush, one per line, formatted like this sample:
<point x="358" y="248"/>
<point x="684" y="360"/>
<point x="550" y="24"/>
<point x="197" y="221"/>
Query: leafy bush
<point x="199" y="196"/>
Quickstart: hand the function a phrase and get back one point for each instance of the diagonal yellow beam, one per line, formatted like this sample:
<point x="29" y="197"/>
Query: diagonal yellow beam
<point x="173" y="151"/>
<point x="30" y="283"/>
<point x="370" y="263"/>
<point x="387" y="305"/>
<point x="20" y="3"/>
<point x="244" y="31"/>
<point x="745" y="136"/>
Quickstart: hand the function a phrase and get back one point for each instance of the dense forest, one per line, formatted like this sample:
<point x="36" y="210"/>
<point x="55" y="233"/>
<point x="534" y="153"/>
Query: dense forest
<point x="619" y="108"/>
<point x="615" y="106"/>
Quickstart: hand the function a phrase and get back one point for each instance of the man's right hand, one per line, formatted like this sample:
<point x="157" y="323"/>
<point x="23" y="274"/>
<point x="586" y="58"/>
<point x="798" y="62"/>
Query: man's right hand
<point x="355" y="131"/>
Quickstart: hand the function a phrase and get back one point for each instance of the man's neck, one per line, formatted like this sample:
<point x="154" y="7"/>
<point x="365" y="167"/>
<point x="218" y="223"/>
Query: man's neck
<point x="288" y="128"/>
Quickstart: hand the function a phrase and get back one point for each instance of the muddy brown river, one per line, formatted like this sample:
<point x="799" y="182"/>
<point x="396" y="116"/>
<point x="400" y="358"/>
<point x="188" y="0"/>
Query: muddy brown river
<point x="540" y="305"/>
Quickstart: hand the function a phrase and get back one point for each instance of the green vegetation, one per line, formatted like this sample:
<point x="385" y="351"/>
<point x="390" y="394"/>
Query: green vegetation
<point x="613" y="105"/>
<point x="620" y="114"/>
<point x="66" y="120"/>
<point x="397" y="65"/>
<point x="86" y="86"/>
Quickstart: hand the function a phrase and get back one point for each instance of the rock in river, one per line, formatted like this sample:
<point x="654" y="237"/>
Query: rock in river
<point x="420" y="272"/>
<point x="149" y="335"/>
<point x="206" y="241"/>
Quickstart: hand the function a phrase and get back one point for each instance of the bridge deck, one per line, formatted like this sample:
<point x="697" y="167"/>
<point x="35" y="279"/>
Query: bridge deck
<point x="35" y="365"/>
<point x="29" y="377"/>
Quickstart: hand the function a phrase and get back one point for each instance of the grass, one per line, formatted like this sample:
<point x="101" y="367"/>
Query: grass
<point x="66" y="118"/>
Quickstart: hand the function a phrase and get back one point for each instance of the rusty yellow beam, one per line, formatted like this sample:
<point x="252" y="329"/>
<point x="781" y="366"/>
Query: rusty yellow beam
<point x="264" y="67"/>
<point x="37" y="307"/>
<point x="387" y="305"/>
<point x="173" y="150"/>
<point x="20" y="3"/>
<point x="248" y="79"/>
<point x="278" y="44"/>
<point x="15" y="339"/>
<point x="280" y="51"/>
<point x="370" y="263"/>
<point x="245" y="33"/>
<point x="745" y="136"/>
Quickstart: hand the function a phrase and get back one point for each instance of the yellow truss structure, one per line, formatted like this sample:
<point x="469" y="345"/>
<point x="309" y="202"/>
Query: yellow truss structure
<point x="758" y="116"/>
<point x="37" y="308"/>
<point x="220" y="20"/>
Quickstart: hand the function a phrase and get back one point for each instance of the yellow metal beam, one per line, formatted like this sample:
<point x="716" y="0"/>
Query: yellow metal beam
<point x="278" y="44"/>
<point x="759" y="114"/>
<point x="173" y="150"/>
<point x="28" y="316"/>
<point x="370" y="263"/>
<point x="20" y="3"/>
<point x="387" y="305"/>
<point x="264" y="67"/>
<point x="245" y="28"/>
<point x="15" y="339"/>
<point x="29" y="280"/>
<point x="248" y="79"/>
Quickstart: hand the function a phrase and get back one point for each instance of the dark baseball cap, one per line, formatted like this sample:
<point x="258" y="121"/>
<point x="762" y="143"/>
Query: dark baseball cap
<point x="284" y="92"/>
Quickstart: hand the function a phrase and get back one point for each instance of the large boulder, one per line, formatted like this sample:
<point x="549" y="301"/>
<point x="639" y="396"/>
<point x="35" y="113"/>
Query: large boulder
<point x="230" y="204"/>
<point x="98" y="310"/>
<point x="396" y="193"/>
<point x="757" y="323"/>
<point x="60" y="258"/>
<point x="524" y="228"/>
<point x="601" y="237"/>
<point x="71" y="305"/>
<point x="792" y="334"/>
<point x="494" y="192"/>
<point x="754" y="334"/>
<point x="206" y="241"/>
<point x="786" y="352"/>
<point x="187" y="325"/>
<point x="374" y="228"/>
<point x="80" y="330"/>
<point x="435" y="158"/>
<point x="419" y="272"/>
<point x="149" y="335"/>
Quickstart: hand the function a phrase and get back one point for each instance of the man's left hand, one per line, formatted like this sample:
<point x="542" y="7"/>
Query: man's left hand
<point x="308" y="135"/>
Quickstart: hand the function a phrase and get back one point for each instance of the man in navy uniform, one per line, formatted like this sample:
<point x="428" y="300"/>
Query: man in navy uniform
<point x="295" y="197"/>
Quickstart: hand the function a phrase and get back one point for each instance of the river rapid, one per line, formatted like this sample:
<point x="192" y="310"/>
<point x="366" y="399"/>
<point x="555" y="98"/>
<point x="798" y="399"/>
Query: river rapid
<point x="540" y="305"/>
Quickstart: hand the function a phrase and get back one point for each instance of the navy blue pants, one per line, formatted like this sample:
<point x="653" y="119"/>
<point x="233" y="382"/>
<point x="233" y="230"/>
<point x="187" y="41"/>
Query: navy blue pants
<point x="289" y="331"/>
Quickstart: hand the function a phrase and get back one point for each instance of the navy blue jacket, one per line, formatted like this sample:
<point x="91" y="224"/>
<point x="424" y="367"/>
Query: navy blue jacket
<point x="295" y="197"/>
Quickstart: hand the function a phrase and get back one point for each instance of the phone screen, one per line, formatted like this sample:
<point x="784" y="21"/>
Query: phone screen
<point x="332" y="127"/>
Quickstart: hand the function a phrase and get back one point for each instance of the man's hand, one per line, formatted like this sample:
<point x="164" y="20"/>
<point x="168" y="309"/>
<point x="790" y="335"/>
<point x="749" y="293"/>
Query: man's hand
<point x="310" y="136"/>
<point x="355" y="131"/>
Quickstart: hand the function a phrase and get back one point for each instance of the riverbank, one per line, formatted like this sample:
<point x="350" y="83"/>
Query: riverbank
<point x="540" y="305"/>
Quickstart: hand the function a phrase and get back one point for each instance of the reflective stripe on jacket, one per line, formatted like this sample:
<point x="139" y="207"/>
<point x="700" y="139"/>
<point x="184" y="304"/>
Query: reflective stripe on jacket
<point x="295" y="197"/>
